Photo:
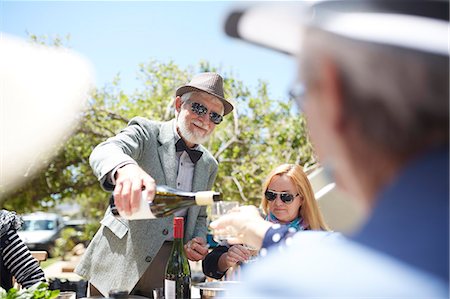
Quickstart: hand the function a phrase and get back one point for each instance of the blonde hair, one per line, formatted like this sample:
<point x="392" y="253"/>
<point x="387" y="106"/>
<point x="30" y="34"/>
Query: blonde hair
<point x="309" y="210"/>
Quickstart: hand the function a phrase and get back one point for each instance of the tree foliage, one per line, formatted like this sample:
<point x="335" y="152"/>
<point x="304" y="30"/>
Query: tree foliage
<point x="259" y="135"/>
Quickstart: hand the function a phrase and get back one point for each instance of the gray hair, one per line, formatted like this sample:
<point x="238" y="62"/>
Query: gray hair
<point x="399" y="98"/>
<point x="186" y="96"/>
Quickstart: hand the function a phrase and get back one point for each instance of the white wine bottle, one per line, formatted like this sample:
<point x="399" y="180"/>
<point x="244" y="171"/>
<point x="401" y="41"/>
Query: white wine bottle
<point x="177" y="282"/>
<point x="167" y="201"/>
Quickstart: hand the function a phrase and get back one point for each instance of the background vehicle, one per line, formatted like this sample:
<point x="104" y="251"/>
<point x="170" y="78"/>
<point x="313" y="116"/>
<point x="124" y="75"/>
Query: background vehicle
<point x="40" y="230"/>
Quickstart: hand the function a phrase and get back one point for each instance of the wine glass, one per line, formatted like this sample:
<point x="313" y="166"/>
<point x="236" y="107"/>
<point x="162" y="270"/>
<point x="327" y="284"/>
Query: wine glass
<point x="218" y="209"/>
<point x="221" y="236"/>
<point x="253" y="254"/>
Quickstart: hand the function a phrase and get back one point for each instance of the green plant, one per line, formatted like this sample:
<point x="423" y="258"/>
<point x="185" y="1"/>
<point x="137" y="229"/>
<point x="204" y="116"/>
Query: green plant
<point x="37" y="291"/>
<point x="65" y="243"/>
<point x="261" y="133"/>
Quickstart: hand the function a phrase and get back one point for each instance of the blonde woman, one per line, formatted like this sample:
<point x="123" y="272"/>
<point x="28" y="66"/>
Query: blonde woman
<point x="287" y="199"/>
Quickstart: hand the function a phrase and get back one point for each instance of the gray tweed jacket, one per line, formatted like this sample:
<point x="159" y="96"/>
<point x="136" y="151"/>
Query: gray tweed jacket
<point x="121" y="250"/>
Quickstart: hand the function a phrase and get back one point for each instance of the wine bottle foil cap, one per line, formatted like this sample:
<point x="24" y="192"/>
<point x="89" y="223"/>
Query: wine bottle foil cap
<point x="178" y="227"/>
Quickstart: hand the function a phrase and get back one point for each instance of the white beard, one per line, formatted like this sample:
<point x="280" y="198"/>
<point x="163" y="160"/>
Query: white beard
<point x="188" y="135"/>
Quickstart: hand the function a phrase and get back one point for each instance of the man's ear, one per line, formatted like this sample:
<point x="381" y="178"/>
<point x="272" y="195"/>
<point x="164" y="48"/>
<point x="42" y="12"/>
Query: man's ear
<point x="178" y="104"/>
<point x="332" y="90"/>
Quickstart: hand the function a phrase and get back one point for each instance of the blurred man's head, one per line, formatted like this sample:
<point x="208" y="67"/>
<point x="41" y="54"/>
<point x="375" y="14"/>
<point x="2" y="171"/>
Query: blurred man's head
<point x="376" y="79"/>
<point x="368" y="103"/>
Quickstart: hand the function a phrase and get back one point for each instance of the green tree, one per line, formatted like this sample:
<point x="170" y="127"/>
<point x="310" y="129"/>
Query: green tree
<point x="260" y="134"/>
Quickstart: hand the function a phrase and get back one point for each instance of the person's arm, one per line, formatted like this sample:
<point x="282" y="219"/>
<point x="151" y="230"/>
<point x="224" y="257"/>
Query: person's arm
<point x="210" y="265"/>
<point x="235" y="254"/>
<point x="124" y="148"/>
<point x="222" y="258"/>
<point x="18" y="259"/>
<point x="117" y="157"/>
<point x="130" y="180"/>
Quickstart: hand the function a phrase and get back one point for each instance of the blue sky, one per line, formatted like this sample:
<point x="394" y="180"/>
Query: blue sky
<point x="117" y="36"/>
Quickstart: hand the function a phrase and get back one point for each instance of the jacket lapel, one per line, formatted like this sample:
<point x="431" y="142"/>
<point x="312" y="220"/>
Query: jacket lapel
<point x="200" y="179"/>
<point x="167" y="153"/>
<point x="199" y="183"/>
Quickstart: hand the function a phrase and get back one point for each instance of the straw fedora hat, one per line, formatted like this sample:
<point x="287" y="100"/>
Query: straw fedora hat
<point x="211" y="83"/>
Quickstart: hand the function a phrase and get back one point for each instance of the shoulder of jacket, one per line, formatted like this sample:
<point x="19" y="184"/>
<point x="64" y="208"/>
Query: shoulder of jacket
<point x="152" y="126"/>
<point x="142" y="121"/>
<point x="210" y="158"/>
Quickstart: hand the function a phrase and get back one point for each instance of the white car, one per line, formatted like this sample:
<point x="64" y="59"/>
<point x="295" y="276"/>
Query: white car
<point x="40" y="230"/>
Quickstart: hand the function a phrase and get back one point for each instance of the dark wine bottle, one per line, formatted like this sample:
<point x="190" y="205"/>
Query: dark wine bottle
<point x="177" y="282"/>
<point x="168" y="200"/>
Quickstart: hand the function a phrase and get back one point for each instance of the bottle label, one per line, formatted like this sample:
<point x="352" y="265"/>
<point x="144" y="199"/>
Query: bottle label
<point x="169" y="289"/>
<point x="204" y="198"/>
<point x="143" y="212"/>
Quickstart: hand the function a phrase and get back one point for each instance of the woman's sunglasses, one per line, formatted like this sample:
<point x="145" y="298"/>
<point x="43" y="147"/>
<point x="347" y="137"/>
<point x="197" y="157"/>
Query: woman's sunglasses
<point x="200" y="110"/>
<point x="284" y="196"/>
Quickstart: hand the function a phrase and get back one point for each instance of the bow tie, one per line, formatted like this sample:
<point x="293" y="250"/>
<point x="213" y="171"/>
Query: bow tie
<point x="195" y="155"/>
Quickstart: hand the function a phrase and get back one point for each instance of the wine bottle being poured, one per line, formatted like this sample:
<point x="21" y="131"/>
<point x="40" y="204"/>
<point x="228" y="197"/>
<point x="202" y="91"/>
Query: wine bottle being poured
<point x="166" y="202"/>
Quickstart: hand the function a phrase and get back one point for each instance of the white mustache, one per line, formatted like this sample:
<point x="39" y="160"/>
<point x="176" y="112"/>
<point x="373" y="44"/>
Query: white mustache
<point x="199" y="124"/>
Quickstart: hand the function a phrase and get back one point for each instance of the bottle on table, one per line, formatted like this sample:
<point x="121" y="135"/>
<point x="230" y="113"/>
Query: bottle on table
<point x="167" y="201"/>
<point x="118" y="294"/>
<point x="177" y="282"/>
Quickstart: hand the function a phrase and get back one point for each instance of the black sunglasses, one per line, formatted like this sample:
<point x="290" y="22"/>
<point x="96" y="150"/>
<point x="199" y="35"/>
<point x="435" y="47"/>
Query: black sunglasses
<point x="284" y="196"/>
<point x="200" y="110"/>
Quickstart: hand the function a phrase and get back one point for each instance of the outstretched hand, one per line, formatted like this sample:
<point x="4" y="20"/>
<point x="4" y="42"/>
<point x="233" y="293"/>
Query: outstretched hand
<point x="130" y="180"/>
<point x="235" y="254"/>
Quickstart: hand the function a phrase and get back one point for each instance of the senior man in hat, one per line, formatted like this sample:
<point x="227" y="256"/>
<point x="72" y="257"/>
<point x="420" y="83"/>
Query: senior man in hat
<point x="376" y="102"/>
<point x="132" y="255"/>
